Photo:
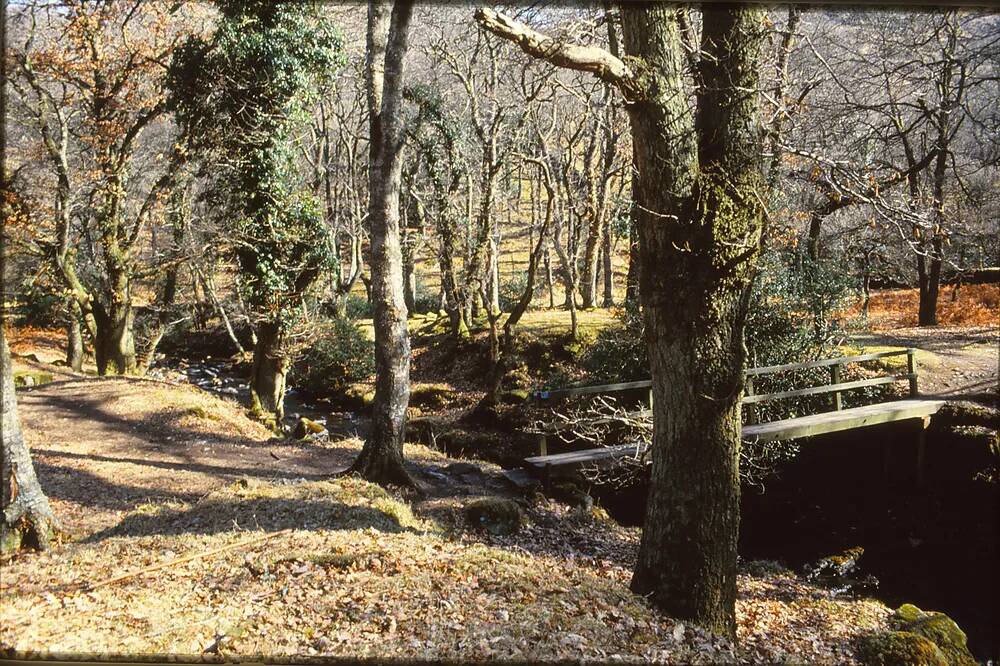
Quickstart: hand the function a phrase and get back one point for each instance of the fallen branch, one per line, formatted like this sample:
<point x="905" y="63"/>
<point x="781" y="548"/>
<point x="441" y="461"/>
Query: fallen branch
<point x="181" y="560"/>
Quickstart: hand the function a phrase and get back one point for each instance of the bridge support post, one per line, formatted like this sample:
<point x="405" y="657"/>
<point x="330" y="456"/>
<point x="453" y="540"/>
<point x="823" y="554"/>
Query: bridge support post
<point x="911" y="369"/>
<point x="922" y="450"/>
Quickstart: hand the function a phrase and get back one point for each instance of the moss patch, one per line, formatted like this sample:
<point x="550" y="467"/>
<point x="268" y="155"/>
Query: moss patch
<point x="431" y="396"/>
<point x="899" y="648"/>
<point x="23" y="378"/>
<point x="936" y="627"/>
<point x="496" y="515"/>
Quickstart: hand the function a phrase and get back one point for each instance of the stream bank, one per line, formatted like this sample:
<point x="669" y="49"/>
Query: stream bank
<point x="935" y="546"/>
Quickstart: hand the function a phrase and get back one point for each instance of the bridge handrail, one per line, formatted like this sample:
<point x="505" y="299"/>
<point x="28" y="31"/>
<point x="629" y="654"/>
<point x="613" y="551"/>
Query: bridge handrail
<point x="835" y="385"/>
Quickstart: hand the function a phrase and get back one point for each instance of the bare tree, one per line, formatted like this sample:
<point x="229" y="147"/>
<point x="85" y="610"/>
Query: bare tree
<point x="381" y="459"/>
<point x="27" y="518"/>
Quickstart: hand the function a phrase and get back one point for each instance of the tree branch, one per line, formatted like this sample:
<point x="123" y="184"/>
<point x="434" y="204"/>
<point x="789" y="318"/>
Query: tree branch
<point x="590" y="59"/>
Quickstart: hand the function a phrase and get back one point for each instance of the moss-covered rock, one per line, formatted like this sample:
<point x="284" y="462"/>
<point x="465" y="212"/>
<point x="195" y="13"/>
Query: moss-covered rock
<point x="28" y="378"/>
<point x="305" y="427"/>
<point x="515" y="396"/>
<point x="837" y="565"/>
<point x="936" y="627"/>
<point x="431" y="396"/>
<point x="496" y="515"/>
<point x="355" y="397"/>
<point x="899" y="648"/>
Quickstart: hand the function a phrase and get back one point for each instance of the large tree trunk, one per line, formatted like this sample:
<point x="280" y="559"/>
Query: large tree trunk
<point x="698" y="195"/>
<point x="696" y="270"/>
<point x="114" y="346"/>
<point x="381" y="459"/>
<point x="268" y="375"/>
<point x="27" y="519"/>
<point x="74" y="339"/>
<point x="929" y="282"/>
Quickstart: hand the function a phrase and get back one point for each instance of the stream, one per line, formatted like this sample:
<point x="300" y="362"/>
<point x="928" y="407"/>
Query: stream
<point x="219" y="376"/>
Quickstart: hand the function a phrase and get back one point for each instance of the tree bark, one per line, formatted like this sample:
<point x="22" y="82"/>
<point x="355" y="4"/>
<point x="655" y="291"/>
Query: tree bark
<point x="381" y="458"/>
<point x="74" y="339"/>
<point x="699" y="224"/>
<point x="114" y="346"/>
<point x="268" y="375"/>
<point x="27" y="519"/>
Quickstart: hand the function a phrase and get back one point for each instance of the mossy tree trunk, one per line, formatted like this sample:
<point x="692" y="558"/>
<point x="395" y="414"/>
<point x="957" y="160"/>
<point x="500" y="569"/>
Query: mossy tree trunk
<point x="268" y="375"/>
<point x="27" y="519"/>
<point x="114" y="345"/>
<point x="381" y="458"/>
<point x="74" y="339"/>
<point x="699" y="216"/>
<point x="698" y="194"/>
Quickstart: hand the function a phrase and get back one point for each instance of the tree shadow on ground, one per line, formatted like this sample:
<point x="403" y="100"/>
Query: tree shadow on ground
<point x="946" y="343"/>
<point x="82" y="487"/>
<point x="268" y="514"/>
<point x="164" y="429"/>
<point x="220" y="471"/>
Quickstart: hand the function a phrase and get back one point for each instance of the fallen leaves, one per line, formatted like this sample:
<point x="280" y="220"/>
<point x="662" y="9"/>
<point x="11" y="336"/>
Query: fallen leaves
<point x="349" y="570"/>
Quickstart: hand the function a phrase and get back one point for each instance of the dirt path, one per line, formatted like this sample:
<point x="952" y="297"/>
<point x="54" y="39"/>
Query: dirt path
<point x="102" y="447"/>
<point x="136" y="441"/>
<point x="959" y="362"/>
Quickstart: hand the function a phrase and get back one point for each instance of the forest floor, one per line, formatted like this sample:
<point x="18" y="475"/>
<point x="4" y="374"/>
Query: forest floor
<point x="142" y="473"/>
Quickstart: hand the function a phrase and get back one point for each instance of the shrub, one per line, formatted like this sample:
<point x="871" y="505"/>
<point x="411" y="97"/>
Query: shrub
<point x="619" y="352"/>
<point x="40" y="307"/>
<point x="358" y="307"/>
<point x="339" y="355"/>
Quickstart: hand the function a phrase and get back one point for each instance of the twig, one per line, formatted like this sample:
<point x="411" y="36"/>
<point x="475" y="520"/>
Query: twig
<point x="181" y="560"/>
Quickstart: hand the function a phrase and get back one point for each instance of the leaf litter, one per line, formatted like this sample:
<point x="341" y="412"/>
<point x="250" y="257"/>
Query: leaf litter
<point x="345" y="568"/>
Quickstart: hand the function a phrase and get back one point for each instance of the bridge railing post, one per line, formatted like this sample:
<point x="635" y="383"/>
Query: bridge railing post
<point x="751" y="410"/>
<point x="911" y="369"/>
<point x="835" y="379"/>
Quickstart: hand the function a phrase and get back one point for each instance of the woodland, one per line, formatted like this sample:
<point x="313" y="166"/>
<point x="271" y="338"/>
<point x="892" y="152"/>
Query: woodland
<point x="451" y="331"/>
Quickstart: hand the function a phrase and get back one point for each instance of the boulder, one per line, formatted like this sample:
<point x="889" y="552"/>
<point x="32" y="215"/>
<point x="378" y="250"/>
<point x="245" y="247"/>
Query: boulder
<point x="938" y="628"/>
<point x="431" y="396"/>
<point x="496" y="515"/>
<point x="837" y="565"/>
<point x="521" y="480"/>
<point x="29" y="378"/>
<point x="899" y="648"/>
<point x="463" y="468"/>
<point x="306" y="427"/>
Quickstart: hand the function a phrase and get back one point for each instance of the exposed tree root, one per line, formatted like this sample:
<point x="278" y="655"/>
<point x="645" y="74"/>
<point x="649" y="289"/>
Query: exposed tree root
<point x="27" y="526"/>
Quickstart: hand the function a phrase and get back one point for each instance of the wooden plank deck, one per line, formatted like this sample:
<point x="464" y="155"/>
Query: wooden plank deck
<point x="845" y="419"/>
<point x="585" y="456"/>
<point x="803" y="426"/>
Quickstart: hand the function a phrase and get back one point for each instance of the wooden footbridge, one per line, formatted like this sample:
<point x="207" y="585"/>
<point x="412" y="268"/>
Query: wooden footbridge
<point x="914" y="408"/>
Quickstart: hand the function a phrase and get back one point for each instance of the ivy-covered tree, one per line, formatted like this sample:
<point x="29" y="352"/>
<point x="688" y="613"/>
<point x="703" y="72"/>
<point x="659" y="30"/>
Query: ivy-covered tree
<point x="245" y="94"/>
